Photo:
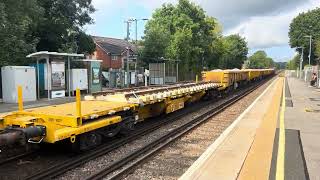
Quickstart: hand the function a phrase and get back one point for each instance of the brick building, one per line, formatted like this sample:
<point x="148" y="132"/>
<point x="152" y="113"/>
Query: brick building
<point x="112" y="51"/>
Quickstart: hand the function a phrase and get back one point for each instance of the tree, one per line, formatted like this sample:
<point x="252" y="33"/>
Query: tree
<point x="260" y="60"/>
<point x="32" y="25"/>
<point x="317" y="49"/>
<point x="16" y="19"/>
<point x="60" y="27"/>
<point x="235" y="52"/>
<point x="293" y="64"/>
<point x="85" y="43"/>
<point x="302" y="25"/>
<point x="181" y="32"/>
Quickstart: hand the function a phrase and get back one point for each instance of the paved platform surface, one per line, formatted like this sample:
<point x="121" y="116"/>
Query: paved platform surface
<point x="303" y="121"/>
<point x="277" y="137"/>
<point x="244" y="150"/>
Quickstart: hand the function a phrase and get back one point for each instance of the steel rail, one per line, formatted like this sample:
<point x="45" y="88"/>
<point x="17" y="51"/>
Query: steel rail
<point x="60" y="168"/>
<point x="17" y="157"/>
<point x="69" y="164"/>
<point x="133" y="159"/>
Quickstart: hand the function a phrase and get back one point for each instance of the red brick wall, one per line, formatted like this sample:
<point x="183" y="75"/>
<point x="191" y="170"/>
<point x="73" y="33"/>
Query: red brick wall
<point x="107" y="62"/>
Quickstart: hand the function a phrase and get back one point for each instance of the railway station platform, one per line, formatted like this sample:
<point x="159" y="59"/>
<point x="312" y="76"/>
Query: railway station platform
<point x="268" y="140"/>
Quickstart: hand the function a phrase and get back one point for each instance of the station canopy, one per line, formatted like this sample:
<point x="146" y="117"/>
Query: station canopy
<point x="48" y="56"/>
<point x="43" y="54"/>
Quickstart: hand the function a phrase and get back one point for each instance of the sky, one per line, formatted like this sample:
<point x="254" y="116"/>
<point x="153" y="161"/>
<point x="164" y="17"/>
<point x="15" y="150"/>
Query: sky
<point x="263" y="23"/>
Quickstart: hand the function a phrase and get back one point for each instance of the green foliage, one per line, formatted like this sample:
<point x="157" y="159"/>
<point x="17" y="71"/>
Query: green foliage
<point x="85" y="43"/>
<point x="302" y="25"/>
<point x="27" y="26"/>
<point x="181" y="32"/>
<point x="235" y="52"/>
<point x="317" y="49"/>
<point x="60" y="27"/>
<point x="293" y="64"/>
<point x="16" y="19"/>
<point x="260" y="60"/>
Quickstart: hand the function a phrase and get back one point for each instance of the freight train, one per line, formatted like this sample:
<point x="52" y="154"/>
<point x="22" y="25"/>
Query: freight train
<point x="85" y="123"/>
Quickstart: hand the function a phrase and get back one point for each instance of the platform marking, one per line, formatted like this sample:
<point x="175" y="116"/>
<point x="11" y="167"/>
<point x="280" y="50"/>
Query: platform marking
<point x="213" y="147"/>
<point x="282" y="139"/>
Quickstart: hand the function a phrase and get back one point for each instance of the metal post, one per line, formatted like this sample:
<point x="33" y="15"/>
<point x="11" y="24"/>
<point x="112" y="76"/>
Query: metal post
<point x="48" y="77"/>
<point x="145" y="78"/>
<point x="301" y="64"/>
<point x="136" y="74"/>
<point x="164" y="71"/>
<point x="128" y="77"/>
<point x="128" y="53"/>
<point x="135" y="66"/>
<point x="136" y="20"/>
<point x="38" y="80"/>
<point x="149" y="74"/>
<point x="78" y="103"/>
<point x="20" y="98"/>
<point x="177" y="71"/>
<point x="310" y="50"/>
<point x="122" y="73"/>
<point x="69" y="78"/>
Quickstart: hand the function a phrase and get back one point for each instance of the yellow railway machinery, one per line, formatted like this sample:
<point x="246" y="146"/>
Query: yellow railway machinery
<point x="229" y="79"/>
<point x="155" y="101"/>
<point x="86" y="123"/>
<point x="256" y="74"/>
<point x="66" y="121"/>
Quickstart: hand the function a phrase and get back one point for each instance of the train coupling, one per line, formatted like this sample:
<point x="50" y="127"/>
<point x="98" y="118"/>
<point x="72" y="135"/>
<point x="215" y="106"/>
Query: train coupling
<point x="13" y="135"/>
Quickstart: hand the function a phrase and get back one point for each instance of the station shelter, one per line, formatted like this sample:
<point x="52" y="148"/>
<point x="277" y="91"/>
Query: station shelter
<point x="59" y="74"/>
<point x="163" y="71"/>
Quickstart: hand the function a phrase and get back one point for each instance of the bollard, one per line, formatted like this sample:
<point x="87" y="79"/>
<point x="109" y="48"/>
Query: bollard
<point x="78" y="102"/>
<point x="20" y="98"/>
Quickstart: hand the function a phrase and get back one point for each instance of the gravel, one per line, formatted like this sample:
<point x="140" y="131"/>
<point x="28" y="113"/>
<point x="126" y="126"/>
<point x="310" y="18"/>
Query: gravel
<point x="103" y="161"/>
<point x="172" y="161"/>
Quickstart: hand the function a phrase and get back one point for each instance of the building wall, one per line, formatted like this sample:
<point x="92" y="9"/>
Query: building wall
<point x="107" y="62"/>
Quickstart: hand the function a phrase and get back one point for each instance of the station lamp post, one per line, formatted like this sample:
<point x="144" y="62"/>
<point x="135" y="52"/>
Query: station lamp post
<point x="129" y="21"/>
<point x="310" y="39"/>
<point x="136" y="23"/>
<point x="301" y="61"/>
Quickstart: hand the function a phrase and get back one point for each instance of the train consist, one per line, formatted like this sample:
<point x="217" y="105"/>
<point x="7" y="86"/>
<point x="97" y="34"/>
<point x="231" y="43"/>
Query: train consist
<point x="86" y="123"/>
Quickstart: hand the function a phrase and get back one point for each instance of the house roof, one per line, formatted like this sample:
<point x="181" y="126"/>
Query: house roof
<point x="113" y="45"/>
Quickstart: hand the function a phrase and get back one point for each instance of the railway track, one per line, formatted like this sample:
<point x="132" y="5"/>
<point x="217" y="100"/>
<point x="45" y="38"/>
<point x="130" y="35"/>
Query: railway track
<point x="125" y="165"/>
<point x="69" y="164"/>
<point x="60" y="168"/>
<point x="17" y="157"/>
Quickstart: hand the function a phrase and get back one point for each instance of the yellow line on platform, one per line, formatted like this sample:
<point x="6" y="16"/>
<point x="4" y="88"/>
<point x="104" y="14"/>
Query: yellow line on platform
<point x="258" y="160"/>
<point x="282" y="139"/>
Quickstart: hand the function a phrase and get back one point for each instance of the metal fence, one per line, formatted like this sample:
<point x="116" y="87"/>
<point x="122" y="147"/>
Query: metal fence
<point x="162" y="73"/>
<point x="305" y="74"/>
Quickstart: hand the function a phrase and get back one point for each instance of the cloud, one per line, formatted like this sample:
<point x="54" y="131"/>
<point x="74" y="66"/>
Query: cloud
<point x="264" y="32"/>
<point x="153" y="4"/>
<point x="233" y="12"/>
<point x="270" y="30"/>
<point x="264" y="23"/>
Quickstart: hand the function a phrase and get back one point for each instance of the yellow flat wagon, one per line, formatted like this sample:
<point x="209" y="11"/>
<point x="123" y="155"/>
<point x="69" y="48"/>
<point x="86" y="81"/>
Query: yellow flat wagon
<point x="226" y="78"/>
<point x="86" y="122"/>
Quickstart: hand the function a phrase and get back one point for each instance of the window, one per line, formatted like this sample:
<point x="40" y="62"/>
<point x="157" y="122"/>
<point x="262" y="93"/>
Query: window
<point x="114" y="58"/>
